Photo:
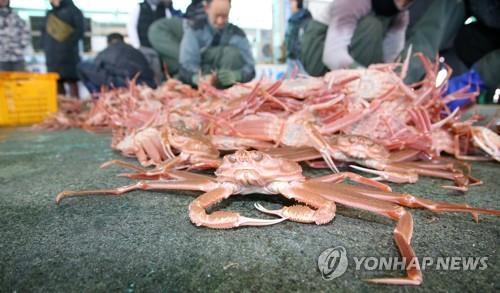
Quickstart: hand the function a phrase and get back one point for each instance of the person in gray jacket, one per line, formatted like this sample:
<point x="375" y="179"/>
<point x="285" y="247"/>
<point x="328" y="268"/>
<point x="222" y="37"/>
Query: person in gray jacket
<point x="14" y="38"/>
<point x="216" y="46"/>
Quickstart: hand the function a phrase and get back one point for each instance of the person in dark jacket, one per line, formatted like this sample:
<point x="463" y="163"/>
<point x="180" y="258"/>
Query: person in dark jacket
<point x="115" y="66"/>
<point x="296" y="25"/>
<point x="216" y="46"/>
<point x="63" y="30"/>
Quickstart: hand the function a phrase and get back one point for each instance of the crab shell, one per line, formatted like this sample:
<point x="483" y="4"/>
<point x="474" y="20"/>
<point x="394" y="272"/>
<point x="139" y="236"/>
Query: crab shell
<point x="188" y="141"/>
<point x="359" y="147"/>
<point x="300" y="88"/>
<point x="371" y="83"/>
<point x="257" y="168"/>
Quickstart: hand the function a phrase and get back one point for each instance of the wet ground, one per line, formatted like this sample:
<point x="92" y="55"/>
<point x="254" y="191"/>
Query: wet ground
<point x="144" y="241"/>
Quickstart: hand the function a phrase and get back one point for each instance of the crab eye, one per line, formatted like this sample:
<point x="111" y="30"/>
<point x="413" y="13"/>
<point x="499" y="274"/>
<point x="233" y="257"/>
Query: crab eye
<point x="231" y="159"/>
<point x="257" y="156"/>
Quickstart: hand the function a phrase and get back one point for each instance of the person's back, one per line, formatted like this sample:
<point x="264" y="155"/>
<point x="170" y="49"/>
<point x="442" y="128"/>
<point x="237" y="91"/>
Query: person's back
<point x="115" y="66"/>
<point x="123" y="62"/>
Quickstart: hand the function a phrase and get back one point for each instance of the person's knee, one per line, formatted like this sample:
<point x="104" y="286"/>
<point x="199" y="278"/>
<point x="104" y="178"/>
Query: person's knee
<point x="371" y="25"/>
<point x="231" y="58"/>
<point x="231" y="53"/>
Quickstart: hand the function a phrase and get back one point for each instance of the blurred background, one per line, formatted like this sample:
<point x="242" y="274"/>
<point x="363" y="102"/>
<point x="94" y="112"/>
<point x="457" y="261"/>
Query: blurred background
<point x="264" y="22"/>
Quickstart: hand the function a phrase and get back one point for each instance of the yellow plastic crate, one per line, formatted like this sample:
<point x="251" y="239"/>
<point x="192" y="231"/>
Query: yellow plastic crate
<point x="27" y="98"/>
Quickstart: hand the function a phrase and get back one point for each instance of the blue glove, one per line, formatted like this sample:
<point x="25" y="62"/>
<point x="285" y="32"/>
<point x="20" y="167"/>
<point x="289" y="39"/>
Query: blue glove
<point x="456" y="83"/>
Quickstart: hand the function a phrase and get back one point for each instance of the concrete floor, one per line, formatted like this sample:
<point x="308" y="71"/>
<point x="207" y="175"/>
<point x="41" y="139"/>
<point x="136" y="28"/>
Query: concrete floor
<point x="144" y="241"/>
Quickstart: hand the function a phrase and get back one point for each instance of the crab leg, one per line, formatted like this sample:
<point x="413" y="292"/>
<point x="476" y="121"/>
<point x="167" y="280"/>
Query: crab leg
<point x="339" y="177"/>
<point x="402" y="234"/>
<point x="404" y="155"/>
<point x="411" y="201"/>
<point x="321" y="144"/>
<point x="299" y="213"/>
<point x="296" y="154"/>
<point x="460" y="178"/>
<point x="182" y="180"/>
<point x="221" y="219"/>
<point x="122" y="164"/>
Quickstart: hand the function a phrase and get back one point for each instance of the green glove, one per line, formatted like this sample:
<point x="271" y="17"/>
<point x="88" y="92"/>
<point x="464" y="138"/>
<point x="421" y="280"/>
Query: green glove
<point x="227" y="78"/>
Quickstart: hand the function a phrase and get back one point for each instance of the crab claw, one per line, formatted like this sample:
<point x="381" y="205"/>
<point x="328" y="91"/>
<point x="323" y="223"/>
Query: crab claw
<point x="303" y="214"/>
<point x="262" y="209"/>
<point x="245" y="221"/>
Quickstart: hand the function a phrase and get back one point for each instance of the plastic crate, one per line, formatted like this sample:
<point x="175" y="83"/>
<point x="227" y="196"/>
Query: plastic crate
<point x="27" y="98"/>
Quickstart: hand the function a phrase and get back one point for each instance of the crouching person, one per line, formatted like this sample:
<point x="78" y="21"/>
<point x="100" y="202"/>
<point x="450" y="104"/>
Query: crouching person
<point x="115" y="66"/>
<point x="216" y="47"/>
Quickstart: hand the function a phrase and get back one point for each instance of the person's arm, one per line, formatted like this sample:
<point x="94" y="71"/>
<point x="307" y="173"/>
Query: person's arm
<point x="345" y="16"/>
<point x="133" y="35"/>
<point x="248" y="69"/>
<point x="79" y="26"/>
<point x="190" y="57"/>
<point x="394" y="40"/>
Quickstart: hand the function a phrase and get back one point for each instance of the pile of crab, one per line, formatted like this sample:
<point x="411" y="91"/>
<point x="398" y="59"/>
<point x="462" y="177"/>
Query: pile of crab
<point x="255" y="135"/>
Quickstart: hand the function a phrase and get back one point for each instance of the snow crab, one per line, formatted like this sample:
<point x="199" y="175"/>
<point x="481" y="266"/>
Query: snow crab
<point x="397" y="167"/>
<point x="246" y="172"/>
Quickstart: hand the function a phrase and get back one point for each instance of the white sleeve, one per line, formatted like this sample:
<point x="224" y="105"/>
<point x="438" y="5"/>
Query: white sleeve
<point x="133" y="21"/>
<point x="394" y="40"/>
<point x="345" y="15"/>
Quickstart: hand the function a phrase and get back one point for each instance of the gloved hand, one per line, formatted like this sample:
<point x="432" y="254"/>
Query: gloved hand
<point x="227" y="78"/>
<point x="456" y="83"/>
